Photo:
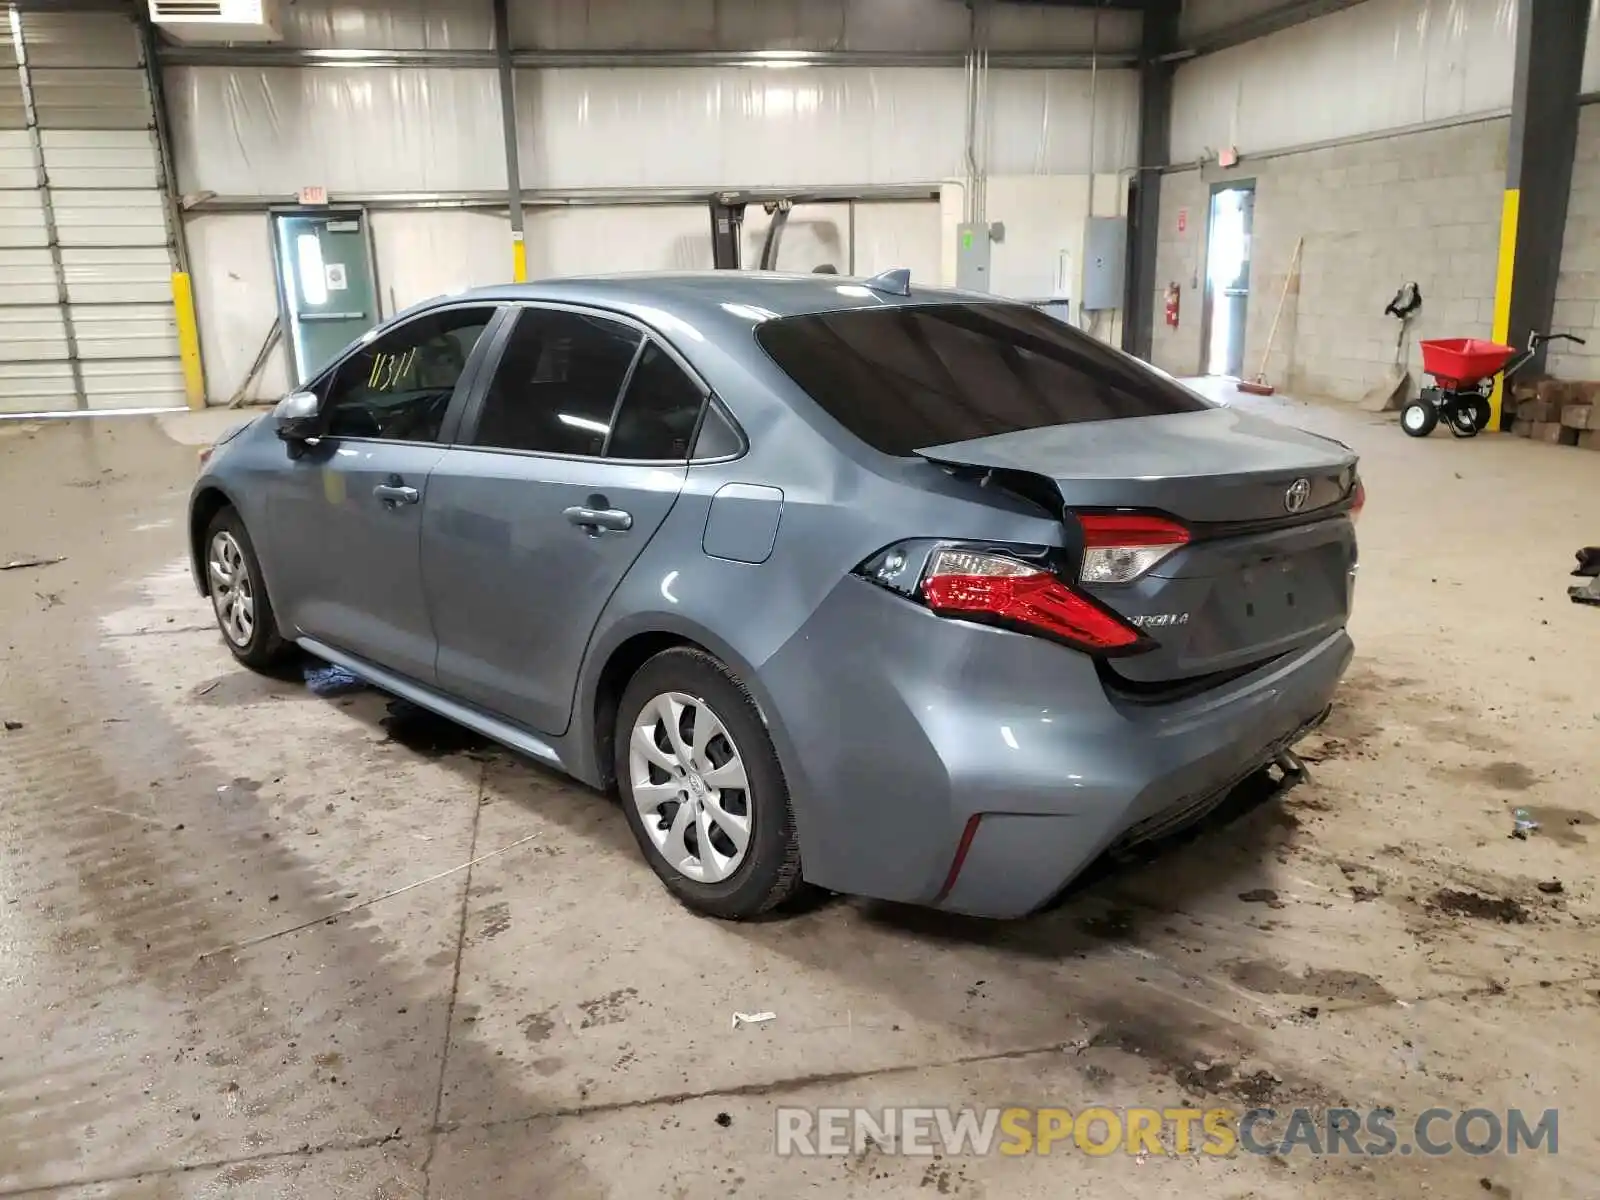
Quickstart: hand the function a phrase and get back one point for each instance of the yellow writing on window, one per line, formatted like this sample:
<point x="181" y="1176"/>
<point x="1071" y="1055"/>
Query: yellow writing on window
<point x="389" y="370"/>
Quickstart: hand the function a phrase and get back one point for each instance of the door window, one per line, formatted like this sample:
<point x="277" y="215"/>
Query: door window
<point x="399" y="386"/>
<point x="556" y="387"/>
<point x="656" y="418"/>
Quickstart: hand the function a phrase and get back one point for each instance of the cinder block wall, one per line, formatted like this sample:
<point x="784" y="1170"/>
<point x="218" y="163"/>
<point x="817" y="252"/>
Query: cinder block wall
<point x="1577" y="307"/>
<point x="1374" y="215"/>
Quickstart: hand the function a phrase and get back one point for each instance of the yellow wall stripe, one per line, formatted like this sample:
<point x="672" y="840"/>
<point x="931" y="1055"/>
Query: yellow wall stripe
<point x="1504" y="275"/>
<point x="519" y="259"/>
<point x="194" y="376"/>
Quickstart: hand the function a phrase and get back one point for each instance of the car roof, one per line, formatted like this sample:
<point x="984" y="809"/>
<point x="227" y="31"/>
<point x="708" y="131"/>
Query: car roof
<point x="711" y="298"/>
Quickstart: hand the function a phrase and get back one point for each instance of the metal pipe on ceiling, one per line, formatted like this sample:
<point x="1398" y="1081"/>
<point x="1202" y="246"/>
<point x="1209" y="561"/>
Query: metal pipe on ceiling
<point x="574" y="198"/>
<point x="985" y="124"/>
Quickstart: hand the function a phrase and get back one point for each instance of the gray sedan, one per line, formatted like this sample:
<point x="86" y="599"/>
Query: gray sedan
<point x="901" y="592"/>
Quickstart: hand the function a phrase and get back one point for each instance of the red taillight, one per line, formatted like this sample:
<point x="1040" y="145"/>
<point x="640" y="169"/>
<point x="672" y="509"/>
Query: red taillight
<point x="1130" y="529"/>
<point x="1358" y="500"/>
<point x="1118" y="547"/>
<point x="993" y="587"/>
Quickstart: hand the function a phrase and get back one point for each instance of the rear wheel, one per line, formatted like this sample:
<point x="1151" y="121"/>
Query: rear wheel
<point x="1418" y="418"/>
<point x="702" y="787"/>
<point x="238" y="595"/>
<point x="1471" y="415"/>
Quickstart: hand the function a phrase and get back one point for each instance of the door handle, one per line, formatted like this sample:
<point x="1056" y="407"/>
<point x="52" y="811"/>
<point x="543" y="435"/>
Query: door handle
<point x="394" y="494"/>
<point x="597" y="520"/>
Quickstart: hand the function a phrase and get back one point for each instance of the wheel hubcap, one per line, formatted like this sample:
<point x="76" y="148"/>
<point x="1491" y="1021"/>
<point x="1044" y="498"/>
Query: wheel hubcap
<point x="232" y="592"/>
<point x="688" y="781"/>
<point x="1414" y="418"/>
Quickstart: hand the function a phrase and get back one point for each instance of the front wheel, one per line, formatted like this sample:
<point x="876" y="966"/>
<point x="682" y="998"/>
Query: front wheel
<point x="238" y="595"/>
<point x="702" y="787"/>
<point x="1418" y="418"/>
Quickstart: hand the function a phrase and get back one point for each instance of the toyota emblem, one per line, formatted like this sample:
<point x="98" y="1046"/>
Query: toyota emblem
<point x="1299" y="492"/>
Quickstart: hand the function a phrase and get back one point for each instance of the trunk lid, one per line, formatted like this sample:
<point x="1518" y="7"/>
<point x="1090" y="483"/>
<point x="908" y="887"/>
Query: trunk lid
<point x="1269" y="565"/>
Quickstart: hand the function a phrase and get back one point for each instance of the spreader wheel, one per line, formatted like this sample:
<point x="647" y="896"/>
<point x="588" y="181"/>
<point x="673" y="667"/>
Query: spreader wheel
<point x="1418" y="418"/>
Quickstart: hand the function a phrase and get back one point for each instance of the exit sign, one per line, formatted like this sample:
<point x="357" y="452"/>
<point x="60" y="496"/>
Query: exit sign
<point x="313" y="195"/>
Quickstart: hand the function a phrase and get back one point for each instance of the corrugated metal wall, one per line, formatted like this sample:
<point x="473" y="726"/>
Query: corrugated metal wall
<point x="1381" y="65"/>
<point x="86" y="316"/>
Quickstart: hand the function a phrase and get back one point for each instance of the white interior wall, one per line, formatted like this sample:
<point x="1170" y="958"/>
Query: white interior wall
<point x="268" y="131"/>
<point x="1041" y="256"/>
<point x="425" y="253"/>
<point x="391" y="25"/>
<point x="900" y="234"/>
<point x="887" y="235"/>
<point x="813" y="235"/>
<point x="605" y="240"/>
<point x="735" y="127"/>
<point x="236" y="300"/>
<point x="1384" y="64"/>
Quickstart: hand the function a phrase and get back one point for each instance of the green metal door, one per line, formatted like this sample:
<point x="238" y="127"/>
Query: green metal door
<point x="327" y="291"/>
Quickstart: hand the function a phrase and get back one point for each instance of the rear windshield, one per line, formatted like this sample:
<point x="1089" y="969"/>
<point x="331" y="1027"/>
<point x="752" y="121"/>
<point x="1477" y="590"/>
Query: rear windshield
<point x="909" y="376"/>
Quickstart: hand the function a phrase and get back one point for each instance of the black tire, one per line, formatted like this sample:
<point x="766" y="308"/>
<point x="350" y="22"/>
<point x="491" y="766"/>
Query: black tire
<point x="264" y="647"/>
<point x="1474" y="416"/>
<point x="1418" y="418"/>
<point x="769" y="872"/>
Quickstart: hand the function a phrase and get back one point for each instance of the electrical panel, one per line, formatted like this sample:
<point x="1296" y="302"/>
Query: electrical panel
<point x="1105" y="261"/>
<point x="972" y="258"/>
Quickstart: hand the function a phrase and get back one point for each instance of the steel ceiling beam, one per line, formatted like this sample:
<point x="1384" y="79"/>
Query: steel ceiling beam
<point x="286" y="56"/>
<point x="1259" y="26"/>
<point x="1156" y="72"/>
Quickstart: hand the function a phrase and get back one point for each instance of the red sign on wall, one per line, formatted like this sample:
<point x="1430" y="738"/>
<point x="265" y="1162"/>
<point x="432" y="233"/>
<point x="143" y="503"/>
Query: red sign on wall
<point x="1183" y="220"/>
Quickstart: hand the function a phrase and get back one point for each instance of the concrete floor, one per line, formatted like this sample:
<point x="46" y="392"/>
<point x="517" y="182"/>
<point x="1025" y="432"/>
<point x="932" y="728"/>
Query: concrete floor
<point x="549" y="1023"/>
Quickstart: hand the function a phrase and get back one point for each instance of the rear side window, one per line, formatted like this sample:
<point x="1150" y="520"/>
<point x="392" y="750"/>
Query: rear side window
<point x="906" y="377"/>
<point x="557" y="383"/>
<point x="658" y="412"/>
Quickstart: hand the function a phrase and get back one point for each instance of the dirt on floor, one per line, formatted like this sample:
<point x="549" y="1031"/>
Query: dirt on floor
<point x="197" y="1000"/>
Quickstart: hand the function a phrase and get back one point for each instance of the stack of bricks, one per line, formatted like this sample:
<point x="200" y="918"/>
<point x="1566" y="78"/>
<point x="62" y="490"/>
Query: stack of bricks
<point x="1561" y="413"/>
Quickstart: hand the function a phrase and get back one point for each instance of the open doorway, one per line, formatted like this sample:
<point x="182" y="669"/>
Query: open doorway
<point x="1227" y="301"/>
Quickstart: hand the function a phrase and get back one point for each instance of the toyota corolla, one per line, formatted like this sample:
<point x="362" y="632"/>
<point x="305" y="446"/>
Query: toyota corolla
<point x="900" y="592"/>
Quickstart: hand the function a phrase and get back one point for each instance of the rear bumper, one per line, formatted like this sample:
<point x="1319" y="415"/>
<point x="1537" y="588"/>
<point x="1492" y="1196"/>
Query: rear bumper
<point x="901" y="732"/>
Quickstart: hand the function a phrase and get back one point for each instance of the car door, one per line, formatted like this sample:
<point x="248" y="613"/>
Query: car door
<point x="574" y="456"/>
<point x="347" y="510"/>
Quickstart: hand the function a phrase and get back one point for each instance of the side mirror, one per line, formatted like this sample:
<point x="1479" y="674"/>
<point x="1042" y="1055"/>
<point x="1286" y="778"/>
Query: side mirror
<point x="296" y="416"/>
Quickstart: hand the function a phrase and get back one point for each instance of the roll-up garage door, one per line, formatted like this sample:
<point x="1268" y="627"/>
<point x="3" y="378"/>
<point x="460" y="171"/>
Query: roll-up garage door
<point x="86" y="315"/>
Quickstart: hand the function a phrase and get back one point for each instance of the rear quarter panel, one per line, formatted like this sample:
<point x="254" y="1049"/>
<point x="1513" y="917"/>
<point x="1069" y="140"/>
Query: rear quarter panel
<point x="836" y="512"/>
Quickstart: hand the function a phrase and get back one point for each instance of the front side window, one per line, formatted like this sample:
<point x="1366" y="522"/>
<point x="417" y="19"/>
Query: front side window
<point x="555" y="389"/>
<point x="398" y="387"/>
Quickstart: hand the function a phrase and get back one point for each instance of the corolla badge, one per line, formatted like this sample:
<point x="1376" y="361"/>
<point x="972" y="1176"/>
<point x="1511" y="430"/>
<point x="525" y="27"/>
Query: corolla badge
<point x="1299" y="492"/>
<point x="1159" y="620"/>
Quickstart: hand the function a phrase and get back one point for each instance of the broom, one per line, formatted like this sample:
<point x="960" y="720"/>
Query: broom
<point x="1259" y="386"/>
